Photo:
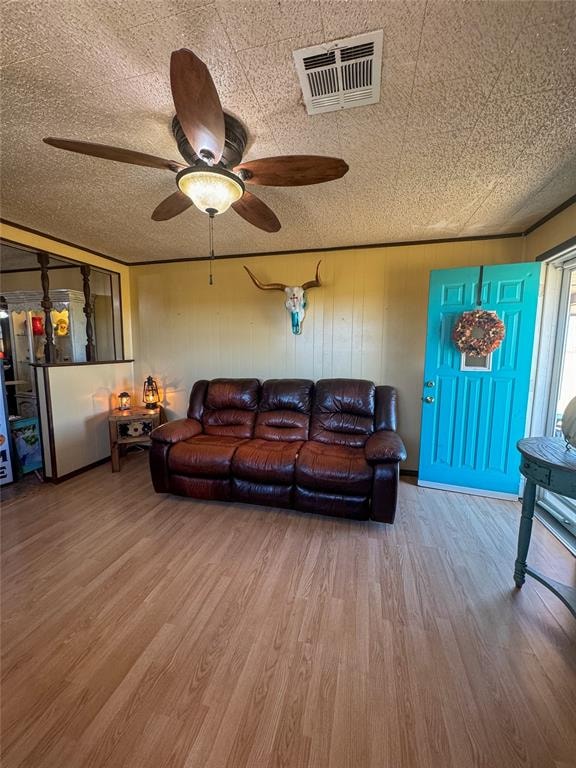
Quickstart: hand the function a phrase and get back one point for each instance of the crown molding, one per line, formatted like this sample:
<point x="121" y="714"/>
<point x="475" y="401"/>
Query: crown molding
<point x="367" y="246"/>
<point x="58" y="240"/>
<point x="555" y="212"/>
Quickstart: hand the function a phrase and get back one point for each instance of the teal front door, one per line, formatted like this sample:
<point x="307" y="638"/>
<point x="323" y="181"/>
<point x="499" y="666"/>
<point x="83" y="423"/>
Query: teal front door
<point x="474" y="410"/>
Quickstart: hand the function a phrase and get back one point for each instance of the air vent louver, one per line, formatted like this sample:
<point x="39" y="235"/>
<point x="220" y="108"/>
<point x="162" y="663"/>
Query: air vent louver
<point x="323" y="60"/>
<point x="342" y="74"/>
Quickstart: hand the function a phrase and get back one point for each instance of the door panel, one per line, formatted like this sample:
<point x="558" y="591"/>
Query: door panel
<point x="471" y="420"/>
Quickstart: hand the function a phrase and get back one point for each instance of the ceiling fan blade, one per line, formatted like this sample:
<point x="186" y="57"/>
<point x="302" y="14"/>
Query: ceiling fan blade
<point x="293" y="170"/>
<point x="197" y="103"/>
<point x="256" y="212"/>
<point x="114" y="153"/>
<point x="171" y="206"/>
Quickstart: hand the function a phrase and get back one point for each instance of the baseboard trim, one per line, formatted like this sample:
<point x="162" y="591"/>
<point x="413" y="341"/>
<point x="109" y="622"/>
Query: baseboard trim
<point x="469" y="491"/>
<point x="80" y="471"/>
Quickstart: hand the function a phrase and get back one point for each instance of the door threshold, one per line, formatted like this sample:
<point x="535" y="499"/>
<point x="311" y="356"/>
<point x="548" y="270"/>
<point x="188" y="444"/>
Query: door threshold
<point x="470" y="491"/>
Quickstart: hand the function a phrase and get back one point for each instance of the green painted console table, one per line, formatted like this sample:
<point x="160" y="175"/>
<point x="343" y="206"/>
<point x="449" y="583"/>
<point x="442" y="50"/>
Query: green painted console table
<point x="548" y="463"/>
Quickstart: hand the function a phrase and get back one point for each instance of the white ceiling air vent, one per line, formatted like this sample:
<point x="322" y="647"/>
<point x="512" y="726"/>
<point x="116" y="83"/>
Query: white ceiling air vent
<point x="342" y="74"/>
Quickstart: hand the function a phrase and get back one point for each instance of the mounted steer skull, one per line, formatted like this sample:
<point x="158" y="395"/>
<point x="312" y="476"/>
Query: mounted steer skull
<point x="295" y="296"/>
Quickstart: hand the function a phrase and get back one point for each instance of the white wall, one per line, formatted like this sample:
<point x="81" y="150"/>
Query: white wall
<point x="81" y="397"/>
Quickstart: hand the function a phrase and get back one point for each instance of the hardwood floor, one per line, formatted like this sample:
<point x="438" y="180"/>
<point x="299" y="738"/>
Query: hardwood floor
<point x="148" y="631"/>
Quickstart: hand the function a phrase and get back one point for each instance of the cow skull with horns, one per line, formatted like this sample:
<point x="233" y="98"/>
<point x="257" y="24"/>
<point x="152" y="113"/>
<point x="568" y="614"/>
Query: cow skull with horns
<point x="295" y="296"/>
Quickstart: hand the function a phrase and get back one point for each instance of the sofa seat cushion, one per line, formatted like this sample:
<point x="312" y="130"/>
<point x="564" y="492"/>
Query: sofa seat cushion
<point x="266" y="461"/>
<point x="333" y="468"/>
<point x="204" y="455"/>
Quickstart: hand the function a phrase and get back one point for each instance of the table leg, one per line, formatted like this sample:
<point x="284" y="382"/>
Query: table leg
<point x="114" y="455"/>
<point x="525" y="532"/>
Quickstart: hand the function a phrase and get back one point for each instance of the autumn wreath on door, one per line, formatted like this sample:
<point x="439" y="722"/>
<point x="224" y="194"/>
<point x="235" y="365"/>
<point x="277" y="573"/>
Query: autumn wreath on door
<point x="478" y="332"/>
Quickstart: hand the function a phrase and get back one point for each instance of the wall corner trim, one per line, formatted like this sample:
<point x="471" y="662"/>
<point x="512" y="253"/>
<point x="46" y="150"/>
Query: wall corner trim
<point x="551" y="215"/>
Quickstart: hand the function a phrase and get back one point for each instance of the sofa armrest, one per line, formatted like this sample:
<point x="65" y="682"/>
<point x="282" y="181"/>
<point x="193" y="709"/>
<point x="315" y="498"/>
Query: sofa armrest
<point x="385" y="447"/>
<point x="175" y="431"/>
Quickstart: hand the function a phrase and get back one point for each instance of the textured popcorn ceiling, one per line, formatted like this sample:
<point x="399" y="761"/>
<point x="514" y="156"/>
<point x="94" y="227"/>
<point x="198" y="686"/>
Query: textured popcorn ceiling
<point x="475" y="132"/>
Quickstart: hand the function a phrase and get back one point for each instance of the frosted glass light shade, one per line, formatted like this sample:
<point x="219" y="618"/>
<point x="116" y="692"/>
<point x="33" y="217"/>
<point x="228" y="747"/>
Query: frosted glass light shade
<point x="210" y="189"/>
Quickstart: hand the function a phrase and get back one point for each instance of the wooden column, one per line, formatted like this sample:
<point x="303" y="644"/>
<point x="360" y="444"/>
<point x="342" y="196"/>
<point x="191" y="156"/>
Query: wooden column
<point x="49" y="348"/>
<point x="90" y="348"/>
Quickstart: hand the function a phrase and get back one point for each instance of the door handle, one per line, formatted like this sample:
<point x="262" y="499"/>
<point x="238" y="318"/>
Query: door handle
<point x="428" y="399"/>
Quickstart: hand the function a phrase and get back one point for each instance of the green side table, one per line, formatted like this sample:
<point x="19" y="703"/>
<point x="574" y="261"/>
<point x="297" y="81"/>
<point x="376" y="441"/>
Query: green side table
<point x="548" y="463"/>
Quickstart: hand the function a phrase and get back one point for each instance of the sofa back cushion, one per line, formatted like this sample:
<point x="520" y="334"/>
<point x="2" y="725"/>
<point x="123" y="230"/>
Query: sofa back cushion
<point x="284" y="412"/>
<point x="343" y="412"/>
<point x="230" y="407"/>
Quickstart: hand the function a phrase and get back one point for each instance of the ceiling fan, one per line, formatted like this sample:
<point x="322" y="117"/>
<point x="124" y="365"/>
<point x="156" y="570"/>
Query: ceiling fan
<point x="213" y="142"/>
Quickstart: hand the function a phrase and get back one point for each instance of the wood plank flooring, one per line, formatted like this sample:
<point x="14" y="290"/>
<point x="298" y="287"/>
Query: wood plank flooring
<point x="148" y="631"/>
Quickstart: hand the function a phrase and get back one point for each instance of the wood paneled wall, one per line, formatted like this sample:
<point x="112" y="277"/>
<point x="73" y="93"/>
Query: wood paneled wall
<point x="368" y="320"/>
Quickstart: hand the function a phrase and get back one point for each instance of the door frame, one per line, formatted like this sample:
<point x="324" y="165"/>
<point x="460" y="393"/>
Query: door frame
<point x="549" y="366"/>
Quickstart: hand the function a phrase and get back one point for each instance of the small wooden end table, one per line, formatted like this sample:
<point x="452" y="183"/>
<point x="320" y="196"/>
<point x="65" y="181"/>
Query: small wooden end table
<point x="548" y="463"/>
<point x="131" y="427"/>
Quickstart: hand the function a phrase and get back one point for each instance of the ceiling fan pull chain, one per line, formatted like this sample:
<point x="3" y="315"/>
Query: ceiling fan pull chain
<point x="211" y="243"/>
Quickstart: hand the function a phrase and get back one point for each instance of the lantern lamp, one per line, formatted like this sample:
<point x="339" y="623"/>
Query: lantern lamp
<point x="150" y="394"/>
<point x="124" y="401"/>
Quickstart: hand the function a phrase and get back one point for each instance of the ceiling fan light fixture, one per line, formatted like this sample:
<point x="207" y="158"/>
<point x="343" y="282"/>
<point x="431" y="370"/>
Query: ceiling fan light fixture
<point x="210" y="189"/>
<point x="213" y="142"/>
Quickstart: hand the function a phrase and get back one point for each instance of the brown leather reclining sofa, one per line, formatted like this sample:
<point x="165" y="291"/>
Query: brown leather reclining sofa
<point x="329" y="447"/>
